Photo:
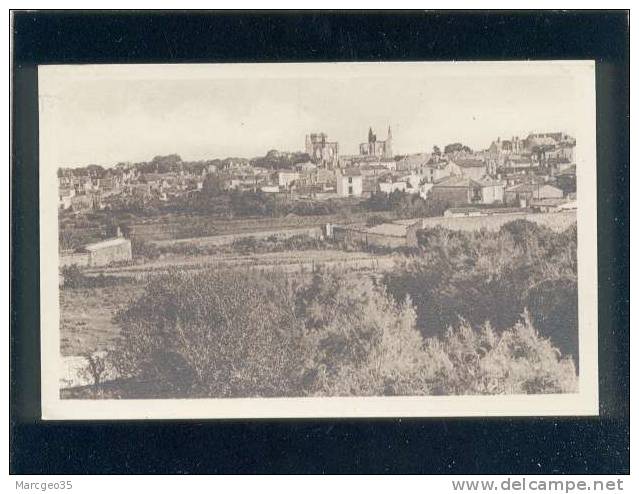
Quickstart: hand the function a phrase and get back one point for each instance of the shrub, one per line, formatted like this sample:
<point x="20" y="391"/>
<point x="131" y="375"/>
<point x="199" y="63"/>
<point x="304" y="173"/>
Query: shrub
<point x="142" y="248"/>
<point x="241" y="334"/>
<point x="492" y="276"/>
<point x="214" y="334"/>
<point x="73" y="276"/>
<point x="517" y="361"/>
<point x="362" y="343"/>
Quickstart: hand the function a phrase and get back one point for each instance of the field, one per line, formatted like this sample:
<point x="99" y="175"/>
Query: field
<point x="86" y="316"/>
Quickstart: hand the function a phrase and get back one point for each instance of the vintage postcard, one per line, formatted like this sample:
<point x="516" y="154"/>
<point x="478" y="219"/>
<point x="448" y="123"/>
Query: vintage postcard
<point x="318" y="240"/>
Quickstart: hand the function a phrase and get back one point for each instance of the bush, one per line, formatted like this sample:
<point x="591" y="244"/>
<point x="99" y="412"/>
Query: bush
<point x="517" y="361"/>
<point x="487" y="276"/>
<point x="362" y="343"/>
<point x="142" y="248"/>
<point x="73" y="277"/>
<point x="213" y="334"/>
<point x="242" y="334"/>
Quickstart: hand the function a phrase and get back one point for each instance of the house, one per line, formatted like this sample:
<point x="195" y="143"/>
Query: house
<point x="524" y="194"/>
<point x="459" y="191"/>
<point x="350" y="183"/>
<point x="456" y="191"/>
<point x="471" y="167"/>
<point x="413" y="162"/>
<point x="435" y="171"/>
<point x="102" y="253"/>
<point x="492" y="191"/>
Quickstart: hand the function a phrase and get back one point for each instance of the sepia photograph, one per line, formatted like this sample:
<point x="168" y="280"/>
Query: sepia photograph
<point x="318" y="240"/>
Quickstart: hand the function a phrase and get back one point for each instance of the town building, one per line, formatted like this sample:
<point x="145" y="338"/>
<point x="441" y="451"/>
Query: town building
<point x="413" y="162"/>
<point x="103" y="253"/>
<point x="460" y="191"/>
<point x="381" y="149"/>
<point x="537" y="149"/>
<point x="349" y="183"/>
<point x="456" y="191"/>
<point x="471" y="167"/>
<point x="523" y="194"/>
<point x="322" y="151"/>
<point x="492" y="191"/>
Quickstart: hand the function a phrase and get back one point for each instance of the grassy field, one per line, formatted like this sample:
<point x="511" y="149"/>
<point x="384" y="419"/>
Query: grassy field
<point x="86" y="316"/>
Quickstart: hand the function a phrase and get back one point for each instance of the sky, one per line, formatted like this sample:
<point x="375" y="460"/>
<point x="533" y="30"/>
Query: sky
<point x="108" y="114"/>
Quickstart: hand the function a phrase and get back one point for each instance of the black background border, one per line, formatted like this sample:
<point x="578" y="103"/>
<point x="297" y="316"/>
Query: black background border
<point x="587" y="445"/>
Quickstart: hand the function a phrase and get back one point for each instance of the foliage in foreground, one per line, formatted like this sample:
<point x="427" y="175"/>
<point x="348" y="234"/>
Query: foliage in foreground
<point x="494" y="276"/>
<point x="241" y="334"/>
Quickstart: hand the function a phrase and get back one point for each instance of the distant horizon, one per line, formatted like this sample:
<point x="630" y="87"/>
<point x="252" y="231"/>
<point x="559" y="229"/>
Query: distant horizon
<point x="104" y="115"/>
<point x="302" y="151"/>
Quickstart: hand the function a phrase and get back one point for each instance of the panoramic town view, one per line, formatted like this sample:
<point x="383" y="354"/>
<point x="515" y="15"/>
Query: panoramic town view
<point x="317" y="273"/>
<point x="315" y="230"/>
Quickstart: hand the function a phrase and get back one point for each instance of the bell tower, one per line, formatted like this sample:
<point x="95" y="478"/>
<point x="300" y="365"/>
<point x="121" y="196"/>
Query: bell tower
<point x="388" y="145"/>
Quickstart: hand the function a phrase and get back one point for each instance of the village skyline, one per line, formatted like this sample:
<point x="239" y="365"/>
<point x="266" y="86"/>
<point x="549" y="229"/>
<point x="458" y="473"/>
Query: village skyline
<point x="301" y="150"/>
<point x="111" y="118"/>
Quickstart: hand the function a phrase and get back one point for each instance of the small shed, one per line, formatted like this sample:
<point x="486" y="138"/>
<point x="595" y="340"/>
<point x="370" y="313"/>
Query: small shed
<point x="107" y="251"/>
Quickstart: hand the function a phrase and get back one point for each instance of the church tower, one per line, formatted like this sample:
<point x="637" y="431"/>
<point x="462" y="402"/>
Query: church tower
<point x="388" y="145"/>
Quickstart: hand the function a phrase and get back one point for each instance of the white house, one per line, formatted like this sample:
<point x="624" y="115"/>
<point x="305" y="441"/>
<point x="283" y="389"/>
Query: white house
<point x="350" y="183"/>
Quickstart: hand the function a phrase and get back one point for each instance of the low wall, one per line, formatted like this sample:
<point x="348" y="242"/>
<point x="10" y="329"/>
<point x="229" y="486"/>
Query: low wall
<point x="315" y="232"/>
<point x="555" y="221"/>
<point x="354" y="236"/>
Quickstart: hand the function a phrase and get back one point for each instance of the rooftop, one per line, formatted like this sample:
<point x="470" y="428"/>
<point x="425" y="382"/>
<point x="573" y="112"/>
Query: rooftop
<point x="470" y="162"/>
<point x="112" y="242"/>
<point x="455" y="181"/>
<point x="528" y="187"/>
<point x="351" y="172"/>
